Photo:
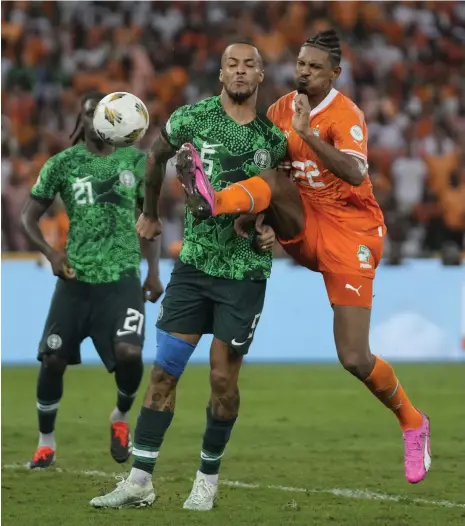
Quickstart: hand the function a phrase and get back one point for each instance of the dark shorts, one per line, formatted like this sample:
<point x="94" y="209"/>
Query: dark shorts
<point x="108" y="313"/>
<point x="196" y="303"/>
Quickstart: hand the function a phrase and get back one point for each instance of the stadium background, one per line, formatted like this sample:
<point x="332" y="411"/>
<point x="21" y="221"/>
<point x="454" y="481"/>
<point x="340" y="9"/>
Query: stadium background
<point x="308" y="436"/>
<point x="403" y="63"/>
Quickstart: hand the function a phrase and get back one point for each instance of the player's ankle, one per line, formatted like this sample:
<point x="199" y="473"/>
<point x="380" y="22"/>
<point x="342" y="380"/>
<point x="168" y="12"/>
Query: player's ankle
<point x="47" y="440"/>
<point x="211" y="477"/>
<point x="140" y="477"/>
<point x="119" y="416"/>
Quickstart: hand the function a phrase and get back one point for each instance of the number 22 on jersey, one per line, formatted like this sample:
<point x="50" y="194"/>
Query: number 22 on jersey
<point x="307" y="171"/>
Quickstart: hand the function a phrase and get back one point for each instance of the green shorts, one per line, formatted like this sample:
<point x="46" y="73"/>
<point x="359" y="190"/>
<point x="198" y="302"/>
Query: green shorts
<point x="109" y="313"/>
<point x="196" y="303"/>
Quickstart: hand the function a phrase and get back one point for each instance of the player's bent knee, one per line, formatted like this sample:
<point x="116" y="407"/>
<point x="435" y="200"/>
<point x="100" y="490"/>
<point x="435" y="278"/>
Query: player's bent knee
<point x="220" y="381"/>
<point x="359" y="364"/>
<point x="125" y="352"/>
<point x="162" y="381"/>
<point x="54" y="363"/>
<point x="172" y="353"/>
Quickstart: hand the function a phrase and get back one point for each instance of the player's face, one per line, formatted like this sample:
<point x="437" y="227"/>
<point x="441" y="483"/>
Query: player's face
<point x="314" y="72"/>
<point x="87" y="116"/>
<point x="241" y="72"/>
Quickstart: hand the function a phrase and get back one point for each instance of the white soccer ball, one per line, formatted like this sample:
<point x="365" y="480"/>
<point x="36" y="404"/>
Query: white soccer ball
<point x="121" y="119"/>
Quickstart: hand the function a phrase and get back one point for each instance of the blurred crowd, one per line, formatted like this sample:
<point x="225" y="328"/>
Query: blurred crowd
<point x="403" y="64"/>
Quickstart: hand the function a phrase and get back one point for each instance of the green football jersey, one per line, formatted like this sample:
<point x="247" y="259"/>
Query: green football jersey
<point x="230" y="152"/>
<point x="100" y="195"/>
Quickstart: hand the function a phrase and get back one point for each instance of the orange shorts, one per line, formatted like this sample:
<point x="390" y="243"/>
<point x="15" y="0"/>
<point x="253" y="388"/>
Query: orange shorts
<point x="346" y="250"/>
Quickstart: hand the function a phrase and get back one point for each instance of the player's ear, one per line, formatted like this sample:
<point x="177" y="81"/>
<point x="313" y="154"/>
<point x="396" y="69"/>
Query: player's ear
<point x="336" y="73"/>
<point x="221" y="75"/>
<point x="262" y="76"/>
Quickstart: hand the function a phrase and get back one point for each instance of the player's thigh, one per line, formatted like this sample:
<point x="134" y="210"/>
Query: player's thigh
<point x="237" y="309"/>
<point x="303" y="247"/>
<point x="286" y="212"/>
<point x="66" y="323"/>
<point x="348" y="262"/>
<point x="118" y="316"/>
<point x="185" y="309"/>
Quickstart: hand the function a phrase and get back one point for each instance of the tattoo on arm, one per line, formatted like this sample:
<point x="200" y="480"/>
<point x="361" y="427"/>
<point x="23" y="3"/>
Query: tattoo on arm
<point x="159" y="154"/>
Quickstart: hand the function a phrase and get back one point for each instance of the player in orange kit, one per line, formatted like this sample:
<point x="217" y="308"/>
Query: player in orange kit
<point x="329" y="221"/>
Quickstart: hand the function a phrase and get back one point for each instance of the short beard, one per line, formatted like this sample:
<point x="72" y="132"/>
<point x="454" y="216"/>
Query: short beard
<point x="240" y="98"/>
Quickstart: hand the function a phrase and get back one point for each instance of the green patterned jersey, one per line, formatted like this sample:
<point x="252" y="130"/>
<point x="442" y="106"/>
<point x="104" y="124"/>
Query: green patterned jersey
<point x="100" y="195"/>
<point x="230" y="152"/>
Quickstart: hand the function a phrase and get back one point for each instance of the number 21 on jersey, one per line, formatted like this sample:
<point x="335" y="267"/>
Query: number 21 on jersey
<point x="83" y="194"/>
<point x="308" y="171"/>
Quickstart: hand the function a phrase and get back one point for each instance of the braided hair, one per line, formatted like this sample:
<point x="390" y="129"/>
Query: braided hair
<point x="327" y="41"/>
<point x="78" y="132"/>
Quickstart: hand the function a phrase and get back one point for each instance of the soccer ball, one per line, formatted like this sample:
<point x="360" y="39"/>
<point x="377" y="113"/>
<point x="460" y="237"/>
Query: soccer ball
<point x="121" y="119"/>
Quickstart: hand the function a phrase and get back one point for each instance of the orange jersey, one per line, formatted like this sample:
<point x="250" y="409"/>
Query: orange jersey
<point x="338" y="121"/>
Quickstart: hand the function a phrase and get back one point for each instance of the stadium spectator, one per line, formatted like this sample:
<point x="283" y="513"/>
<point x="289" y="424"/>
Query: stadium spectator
<point x="403" y="65"/>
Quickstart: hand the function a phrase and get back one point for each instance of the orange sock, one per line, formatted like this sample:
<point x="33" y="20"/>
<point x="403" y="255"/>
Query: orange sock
<point x="249" y="196"/>
<point x="383" y="383"/>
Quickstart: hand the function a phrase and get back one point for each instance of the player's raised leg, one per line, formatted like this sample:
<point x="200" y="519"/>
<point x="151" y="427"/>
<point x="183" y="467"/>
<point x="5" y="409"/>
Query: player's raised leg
<point x="249" y="196"/>
<point x="173" y="353"/>
<point x="117" y="328"/>
<point x="222" y="413"/>
<point x="351" y="333"/>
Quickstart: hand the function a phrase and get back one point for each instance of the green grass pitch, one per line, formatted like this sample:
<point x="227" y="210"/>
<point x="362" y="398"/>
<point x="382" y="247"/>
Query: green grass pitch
<point x="301" y="427"/>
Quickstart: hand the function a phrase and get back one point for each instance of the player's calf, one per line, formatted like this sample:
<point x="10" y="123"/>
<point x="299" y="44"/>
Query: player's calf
<point x="49" y="393"/>
<point x="222" y="413"/>
<point x="128" y="374"/>
<point x="155" y="417"/>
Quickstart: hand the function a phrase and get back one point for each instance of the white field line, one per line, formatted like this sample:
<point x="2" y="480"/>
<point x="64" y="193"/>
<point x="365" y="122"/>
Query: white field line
<point x="362" y="494"/>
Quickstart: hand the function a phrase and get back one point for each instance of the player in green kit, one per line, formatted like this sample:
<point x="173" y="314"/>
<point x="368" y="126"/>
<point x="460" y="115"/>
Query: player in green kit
<point x="217" y="286"/>
<point x="98" y="292"/>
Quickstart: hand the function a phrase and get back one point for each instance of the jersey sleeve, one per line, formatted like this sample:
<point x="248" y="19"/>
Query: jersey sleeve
<point x="272" y="113"/>
<point x="48" y="184"/>
<point x="140" y="176"/>
<point x="179" y="127"/>
<point x="350" y="134"/>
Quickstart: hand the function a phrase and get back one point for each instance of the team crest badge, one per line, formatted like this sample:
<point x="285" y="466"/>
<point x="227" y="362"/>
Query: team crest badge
<point x="262" y="159"/>
<point x="112" y="116"/>
<point x="356" y="133"/>
<point x="54" y="341"/>
<point x="160" y="314"/>
<point x="127" y="178"/>
<point x="363" y="254"/>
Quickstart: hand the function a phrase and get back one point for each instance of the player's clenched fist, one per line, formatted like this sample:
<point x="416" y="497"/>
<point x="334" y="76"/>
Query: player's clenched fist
<point x="148" y="227"/>
<point x="60" y="265"/>
<point x="152" y="287"/>
<point x="301" y="117"/>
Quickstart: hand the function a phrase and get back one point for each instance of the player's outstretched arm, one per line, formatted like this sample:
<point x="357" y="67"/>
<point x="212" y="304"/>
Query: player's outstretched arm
<point x="33" y="210"/>
<point x="341" y="164"/>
